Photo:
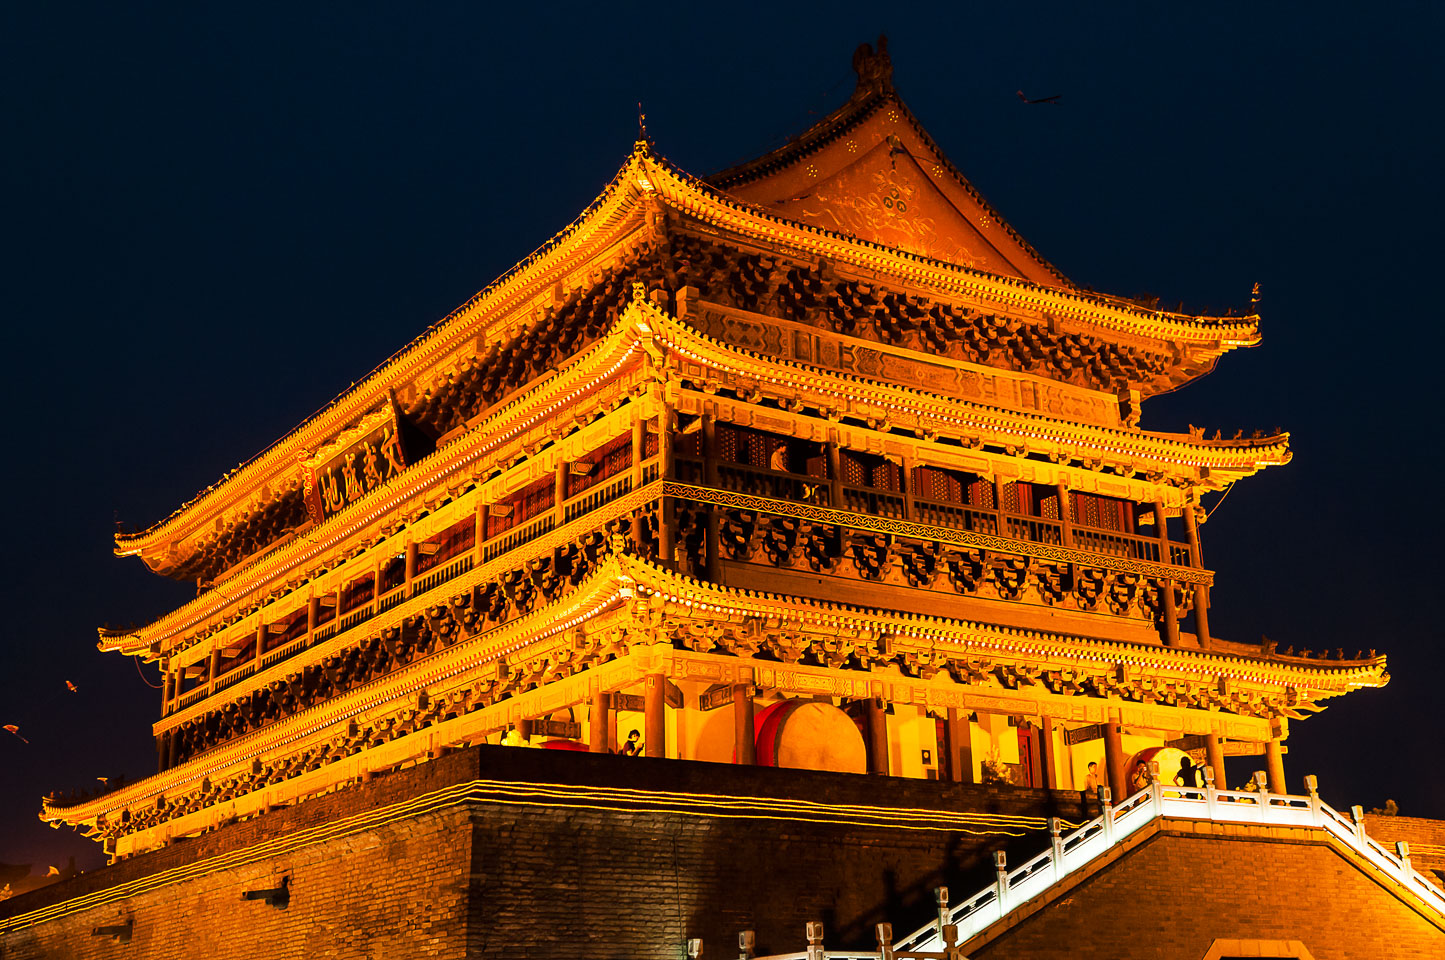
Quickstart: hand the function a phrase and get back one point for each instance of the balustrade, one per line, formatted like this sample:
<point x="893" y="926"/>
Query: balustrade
<point x="773" y="484"/>
<point x="797" y="488"/>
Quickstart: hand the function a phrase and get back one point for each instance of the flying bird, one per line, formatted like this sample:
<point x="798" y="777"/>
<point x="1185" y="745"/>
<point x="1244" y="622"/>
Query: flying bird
<point x="71" y="687"/>
<point x="1054" y="99"/>
<point x="15" y="730"/>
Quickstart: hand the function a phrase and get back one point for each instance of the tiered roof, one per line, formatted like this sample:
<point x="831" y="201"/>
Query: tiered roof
<point x="566" y="295"/>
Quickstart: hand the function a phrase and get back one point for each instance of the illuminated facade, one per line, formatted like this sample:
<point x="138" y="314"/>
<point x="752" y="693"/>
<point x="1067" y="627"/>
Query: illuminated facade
<point x="812" y="463"/>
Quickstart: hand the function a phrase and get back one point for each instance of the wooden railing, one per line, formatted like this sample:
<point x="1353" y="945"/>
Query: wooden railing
<point x="515" y="537"/>
<point x="761" y="482"/>
<point x="877" y="503"/>
<point x="594" y="497"/>
<point x="441" y="575"/>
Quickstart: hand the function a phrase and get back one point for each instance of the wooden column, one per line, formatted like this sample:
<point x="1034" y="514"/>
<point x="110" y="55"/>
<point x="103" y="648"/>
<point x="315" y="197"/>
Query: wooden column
<point x="667" y="536"/>
<point x="654" y="716"/>
<point x="877" y="737"/>
<point x="313" y="610"/>
<point x="905" y="470"/>
<point x="559" y="490"/>
<point x="835" y="474"/>
<point x="1114" y="760"/>
<point x="1048" y="761"/>
<point x="638" y="445"/>
<point x="1166" y="587"/>
<point x="1274" y="765"/>
<point x="958" y="745"/>
<point x="597" y="722"/>
<point x="524" y="730"/>
<point x="713" y="546"/>
<point x="410" y="571"/>
<point x="1201" y="590"/>
<point x="1214" y="756"/>
<point x="214" y="667"/>
<point x="745" y="745"/>
<point x="477" y="547"/>
<point x="1066" y="514"/>
<point x="261" y="636"/>
<point x="998" y="484"/>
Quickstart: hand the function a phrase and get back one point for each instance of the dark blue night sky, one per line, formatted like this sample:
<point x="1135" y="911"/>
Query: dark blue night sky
<point x="216" y="219"/>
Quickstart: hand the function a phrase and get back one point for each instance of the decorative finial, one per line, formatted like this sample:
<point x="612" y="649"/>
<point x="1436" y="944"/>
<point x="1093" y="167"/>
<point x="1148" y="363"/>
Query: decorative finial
<point x="642" y="126"/>
<point x="874" y="69"/>
<point x="1254" y="299"/>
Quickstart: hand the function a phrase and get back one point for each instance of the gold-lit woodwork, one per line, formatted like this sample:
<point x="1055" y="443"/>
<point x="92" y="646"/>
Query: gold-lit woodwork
<point x="821" y="428"/>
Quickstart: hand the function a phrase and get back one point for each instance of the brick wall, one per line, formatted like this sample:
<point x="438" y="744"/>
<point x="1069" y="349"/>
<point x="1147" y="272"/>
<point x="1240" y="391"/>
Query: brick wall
<point x="1425" y="837"/>
<point x="1175" y="894"/>
<point x="491" y="879"/>
<point x="400" y="891"/>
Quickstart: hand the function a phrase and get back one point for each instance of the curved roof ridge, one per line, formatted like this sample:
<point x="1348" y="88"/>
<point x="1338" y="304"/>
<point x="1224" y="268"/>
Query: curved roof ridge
<point x="1244" y="329"/>
<point x="128" y="544"/>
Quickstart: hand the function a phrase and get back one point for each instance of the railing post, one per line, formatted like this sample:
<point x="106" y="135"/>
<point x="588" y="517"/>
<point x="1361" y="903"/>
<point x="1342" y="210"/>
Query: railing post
<point x="1402" y="850"/>
<point x="1056" y="842"/>
<point x="940" y="899"/>
<point x="813" y="930"/>
<point x="950" y="943"/>
<point x="1156" y="789"/>
<point x="747" y="939"/>
<point x="1000" y="869"/>
<point x="1211" y="794"/>
<point x="1106" y="804"/>
<point x="1312" y="784"/>
<point x="884" y="934"/>
<point x="694" y="949"/>
<point x="1357" y="814"/>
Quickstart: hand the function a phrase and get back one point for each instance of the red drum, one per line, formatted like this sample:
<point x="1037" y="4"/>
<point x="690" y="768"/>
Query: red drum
<point x="807" y="735"/>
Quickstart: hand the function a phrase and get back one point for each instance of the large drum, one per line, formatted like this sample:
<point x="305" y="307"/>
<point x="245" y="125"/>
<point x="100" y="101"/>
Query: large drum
<point x="806" y="735"/>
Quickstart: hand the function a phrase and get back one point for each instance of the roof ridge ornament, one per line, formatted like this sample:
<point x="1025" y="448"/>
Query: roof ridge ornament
<point x="874" y="69"/>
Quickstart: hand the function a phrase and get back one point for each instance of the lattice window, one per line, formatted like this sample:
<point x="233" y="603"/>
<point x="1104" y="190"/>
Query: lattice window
<point x="727" y="444"/>
<point x="357" y="592"/>
<point x="451" y="542"/>
<point x="608" y="461"/>
<point x="521" y="506"/>
<point x="393" y="574"/>
<point x="1103" y="513"/>
<point x="1011" y="497"/>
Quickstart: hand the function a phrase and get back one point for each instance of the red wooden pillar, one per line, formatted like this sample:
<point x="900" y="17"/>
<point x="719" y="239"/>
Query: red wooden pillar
<point x="654" y="716"/>
<point x="745" y="747"/>
<point x="877" y="737"/>
<point x="1114" y="759"/>
<point x="597" y="722"/>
